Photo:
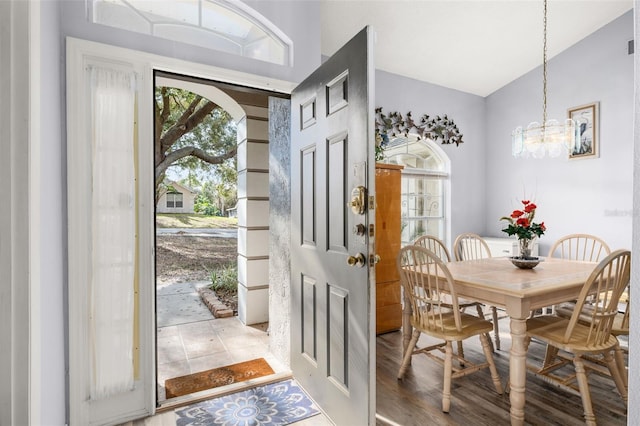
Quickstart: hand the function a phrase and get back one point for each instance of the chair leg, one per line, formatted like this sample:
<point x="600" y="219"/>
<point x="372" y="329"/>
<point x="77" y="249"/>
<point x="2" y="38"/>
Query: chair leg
<point x="460" y="353"/>
<point x="446" y="389"/>
<point x="616" y="373"/>
<point x="488" y="353"/>
<point x="622" y="365"/>
<point x="583" y="385"/>
<point x="480" y="311"/>
<point x="460" y="348"/>
<point x="496" y="330"/>
<point x="481" y="315"/>
<point x="408" y="353"/>
<point x="549" y="355"/>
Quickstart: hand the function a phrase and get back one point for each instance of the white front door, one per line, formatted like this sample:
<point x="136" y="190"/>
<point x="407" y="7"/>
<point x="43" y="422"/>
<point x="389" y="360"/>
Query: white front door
<point x="332" y="280"/>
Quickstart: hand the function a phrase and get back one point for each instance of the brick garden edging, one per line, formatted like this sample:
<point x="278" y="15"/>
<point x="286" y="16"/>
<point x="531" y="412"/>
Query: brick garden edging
<point x="217" y="308"/>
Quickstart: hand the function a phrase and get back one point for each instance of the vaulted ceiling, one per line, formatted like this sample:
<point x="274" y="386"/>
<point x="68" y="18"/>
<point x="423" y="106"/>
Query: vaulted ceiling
<point x="476" y="46"/>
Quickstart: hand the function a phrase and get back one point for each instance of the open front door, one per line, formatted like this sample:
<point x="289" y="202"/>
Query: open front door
<point x="332" y="279"/>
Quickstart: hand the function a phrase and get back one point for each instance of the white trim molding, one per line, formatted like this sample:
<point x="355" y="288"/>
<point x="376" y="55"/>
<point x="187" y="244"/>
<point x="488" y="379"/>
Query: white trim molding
<point x="19" y="216"/>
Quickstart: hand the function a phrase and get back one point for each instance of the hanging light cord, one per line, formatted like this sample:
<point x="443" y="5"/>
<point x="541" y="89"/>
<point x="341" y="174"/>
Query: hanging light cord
<point x="544" y="68"/>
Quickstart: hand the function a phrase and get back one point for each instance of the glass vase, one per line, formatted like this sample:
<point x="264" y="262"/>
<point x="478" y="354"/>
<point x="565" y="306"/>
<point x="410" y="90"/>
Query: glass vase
<point x="525" y="248"/>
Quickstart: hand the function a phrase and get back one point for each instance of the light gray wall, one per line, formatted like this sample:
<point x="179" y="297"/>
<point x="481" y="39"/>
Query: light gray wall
<point x="634" y="330"/>
<point x="577" y="196"/>
<point x="468" y="169"/>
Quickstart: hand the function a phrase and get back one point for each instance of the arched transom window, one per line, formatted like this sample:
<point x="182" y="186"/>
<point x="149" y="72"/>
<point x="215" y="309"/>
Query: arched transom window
<point x="228" y="26"/>
<point x="425" y="183"/>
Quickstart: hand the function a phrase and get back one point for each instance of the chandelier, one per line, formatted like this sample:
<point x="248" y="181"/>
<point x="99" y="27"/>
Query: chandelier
<point x="549" y="137"/>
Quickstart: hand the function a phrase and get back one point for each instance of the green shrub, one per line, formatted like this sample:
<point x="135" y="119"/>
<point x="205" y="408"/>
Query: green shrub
<point x="210" y="210"/>
<point x="225" y="278"/>
<point x="206" y="209"/>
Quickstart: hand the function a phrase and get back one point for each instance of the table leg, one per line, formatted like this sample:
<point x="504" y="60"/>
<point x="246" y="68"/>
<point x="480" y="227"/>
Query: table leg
<point x="517" y="369"/>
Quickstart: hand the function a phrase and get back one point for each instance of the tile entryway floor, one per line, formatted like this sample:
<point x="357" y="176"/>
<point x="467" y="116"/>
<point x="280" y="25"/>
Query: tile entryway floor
<point x="190" y="339"/>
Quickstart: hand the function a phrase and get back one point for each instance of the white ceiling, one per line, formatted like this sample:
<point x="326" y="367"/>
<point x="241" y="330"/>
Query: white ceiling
<point x="476" y="46"/>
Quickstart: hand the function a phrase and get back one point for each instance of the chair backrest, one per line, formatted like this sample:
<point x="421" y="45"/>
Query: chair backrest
<point x="580" y="247"/>
<point x="428" y="286"/>
<point x="470" y="246"/>
<point x="435" y="245"/>
<point x="598" y="300"/>
<point x="621" y="323"/>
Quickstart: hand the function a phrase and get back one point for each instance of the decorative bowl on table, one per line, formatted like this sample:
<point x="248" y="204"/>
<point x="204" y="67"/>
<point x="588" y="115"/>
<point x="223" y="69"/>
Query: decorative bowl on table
<point x="525" y="262"/>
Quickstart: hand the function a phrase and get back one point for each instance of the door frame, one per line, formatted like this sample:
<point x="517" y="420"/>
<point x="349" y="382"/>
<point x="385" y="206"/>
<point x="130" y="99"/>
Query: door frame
<point x="20" y="263"/>
<point x="144" y="63"/>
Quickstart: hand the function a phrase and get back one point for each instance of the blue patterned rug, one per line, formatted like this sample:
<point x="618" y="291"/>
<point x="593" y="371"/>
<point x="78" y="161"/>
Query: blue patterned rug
<point x="275" y="404"/>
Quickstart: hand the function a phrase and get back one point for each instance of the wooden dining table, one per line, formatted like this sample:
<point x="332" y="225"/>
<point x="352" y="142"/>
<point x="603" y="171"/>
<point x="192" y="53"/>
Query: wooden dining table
<point x="497" y="282"/>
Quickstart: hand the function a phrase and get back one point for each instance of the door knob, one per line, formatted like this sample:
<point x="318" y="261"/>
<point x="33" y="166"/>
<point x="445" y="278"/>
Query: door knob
<point x="357" y="260"/>
<point x="373" y="259"/>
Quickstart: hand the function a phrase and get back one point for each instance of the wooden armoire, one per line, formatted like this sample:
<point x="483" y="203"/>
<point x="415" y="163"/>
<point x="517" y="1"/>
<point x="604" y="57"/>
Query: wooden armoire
<point x="388" y="295"/>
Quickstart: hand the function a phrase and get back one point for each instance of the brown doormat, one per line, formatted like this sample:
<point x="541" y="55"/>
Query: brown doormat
<point x="221" y="376"/>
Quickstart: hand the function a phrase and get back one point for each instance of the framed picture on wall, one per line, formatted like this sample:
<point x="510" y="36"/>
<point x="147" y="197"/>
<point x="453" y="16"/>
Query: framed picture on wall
<point x="586" y="118"/>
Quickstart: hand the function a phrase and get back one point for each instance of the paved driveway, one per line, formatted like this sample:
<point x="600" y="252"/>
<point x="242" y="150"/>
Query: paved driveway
<point x="200" y="232"/>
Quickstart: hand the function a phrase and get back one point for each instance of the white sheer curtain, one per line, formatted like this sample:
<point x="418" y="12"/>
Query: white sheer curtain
<point x="111" y="290"/>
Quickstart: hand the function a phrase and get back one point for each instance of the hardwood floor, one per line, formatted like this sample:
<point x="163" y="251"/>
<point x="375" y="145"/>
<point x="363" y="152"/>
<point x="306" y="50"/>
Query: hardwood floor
<point x="417" y="399"/>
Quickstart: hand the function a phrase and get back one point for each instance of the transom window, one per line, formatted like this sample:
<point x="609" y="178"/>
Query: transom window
<point x="425" y="179"/>
<point x="227" y="26"/>
<point x="174" y="200"/>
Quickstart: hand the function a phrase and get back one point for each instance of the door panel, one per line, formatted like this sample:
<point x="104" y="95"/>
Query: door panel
<point x="309" y="315"/>
<point x="332" y="320"/>
<point x="337" y="163"/>
<point x="308" y="196"/>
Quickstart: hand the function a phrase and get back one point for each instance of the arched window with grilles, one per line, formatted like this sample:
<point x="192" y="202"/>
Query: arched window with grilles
<point x="425" y="186"/>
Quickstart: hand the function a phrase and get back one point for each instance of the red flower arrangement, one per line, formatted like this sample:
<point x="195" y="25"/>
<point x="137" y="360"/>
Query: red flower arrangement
<point x="521" y="222"/>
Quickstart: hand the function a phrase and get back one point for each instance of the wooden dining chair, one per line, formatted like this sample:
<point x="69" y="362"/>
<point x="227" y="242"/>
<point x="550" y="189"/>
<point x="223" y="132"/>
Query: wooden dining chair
<point x="469" y="246"/>
<point x="585" y="247"/>
<point x="621" y="322"/>
<point x="582" y="247"/>
<point x="434" y="310"/>
<point x="620" y="327"/>
<point x="587" y="333"/>
<point x="434" y="244"/>
<point x="437" y="246"/>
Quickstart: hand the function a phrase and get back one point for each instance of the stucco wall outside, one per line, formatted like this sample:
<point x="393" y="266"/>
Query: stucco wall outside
<point x="279" y="227"/>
